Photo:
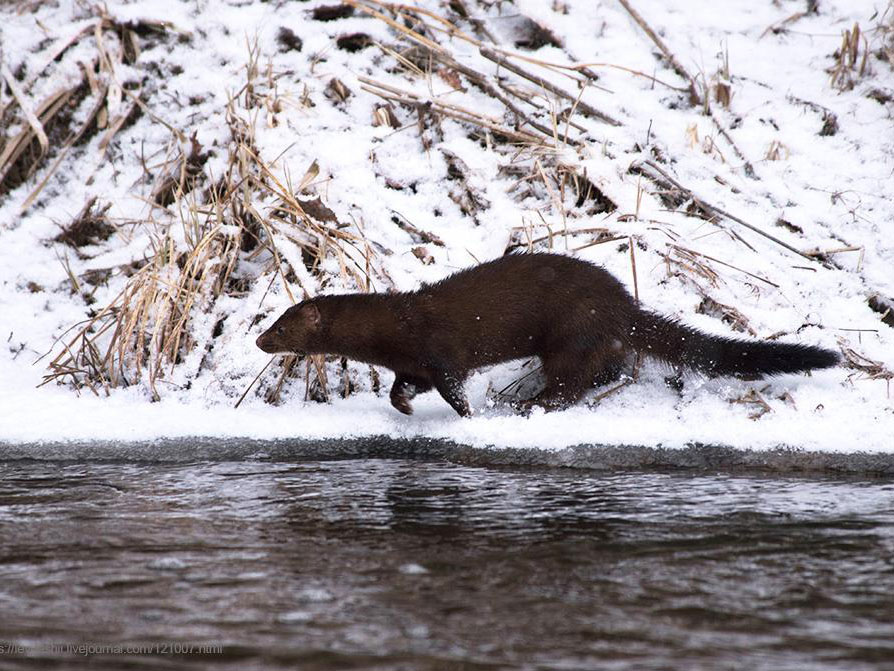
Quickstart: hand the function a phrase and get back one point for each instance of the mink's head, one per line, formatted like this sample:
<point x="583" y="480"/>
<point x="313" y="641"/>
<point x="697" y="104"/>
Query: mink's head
<point x="295" y="331"/>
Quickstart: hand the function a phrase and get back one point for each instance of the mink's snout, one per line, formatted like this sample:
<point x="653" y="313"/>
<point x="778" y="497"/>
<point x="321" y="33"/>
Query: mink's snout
<point x="263" y="343"/>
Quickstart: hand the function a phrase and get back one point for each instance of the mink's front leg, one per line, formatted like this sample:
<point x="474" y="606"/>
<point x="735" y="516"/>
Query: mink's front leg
<point x="404" y="389"/>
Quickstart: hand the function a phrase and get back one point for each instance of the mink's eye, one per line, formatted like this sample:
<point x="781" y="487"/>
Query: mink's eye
<point x="280" y="331"/>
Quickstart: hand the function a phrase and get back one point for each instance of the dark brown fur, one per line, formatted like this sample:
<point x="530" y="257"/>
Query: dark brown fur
<point x="575" y="316"/>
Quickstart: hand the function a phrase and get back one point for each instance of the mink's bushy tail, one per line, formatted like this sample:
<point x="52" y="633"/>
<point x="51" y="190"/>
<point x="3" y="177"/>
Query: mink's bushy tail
<point x="681" y="345"/>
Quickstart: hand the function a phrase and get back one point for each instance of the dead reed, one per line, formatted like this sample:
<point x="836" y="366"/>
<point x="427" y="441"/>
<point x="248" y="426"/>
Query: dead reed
<point x="251" y="213"/>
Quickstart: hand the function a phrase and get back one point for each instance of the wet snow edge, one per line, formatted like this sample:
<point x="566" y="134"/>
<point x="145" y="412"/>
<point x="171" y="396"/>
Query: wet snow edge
<point x="782" y="460"/>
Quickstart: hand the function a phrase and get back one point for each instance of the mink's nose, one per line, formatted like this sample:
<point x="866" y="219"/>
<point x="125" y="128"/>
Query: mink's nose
<point x="260" y="342"/>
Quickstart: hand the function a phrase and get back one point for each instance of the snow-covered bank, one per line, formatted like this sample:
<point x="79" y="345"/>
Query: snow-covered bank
<point x="647" y="414"/>
<point x="437" y="193"/>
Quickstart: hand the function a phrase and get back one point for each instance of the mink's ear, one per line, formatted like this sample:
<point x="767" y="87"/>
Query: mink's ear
<point x="311" y="315"/>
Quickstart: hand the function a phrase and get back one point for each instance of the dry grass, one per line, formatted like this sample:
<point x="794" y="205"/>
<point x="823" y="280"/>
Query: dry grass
<point x="755" y="400"/>
<point x="885" y="33"/>
<point x="544" y="113"/>
<point x="861" y="49"/>
<point x="864" y="367"/>
<point x="145" y="331"/>
<point x="851" y="59"/>
<point x="36" y="136"/>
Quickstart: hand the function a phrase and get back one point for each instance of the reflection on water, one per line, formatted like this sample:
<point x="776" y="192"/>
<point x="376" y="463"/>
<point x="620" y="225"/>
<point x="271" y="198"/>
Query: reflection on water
<point x="411" y="565"/>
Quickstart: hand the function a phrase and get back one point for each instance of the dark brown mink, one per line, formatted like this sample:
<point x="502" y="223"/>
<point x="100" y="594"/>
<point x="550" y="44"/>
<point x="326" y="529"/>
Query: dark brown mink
<point x="575" y="316"/>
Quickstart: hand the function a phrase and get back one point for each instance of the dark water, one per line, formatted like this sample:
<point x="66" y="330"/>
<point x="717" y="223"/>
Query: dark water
<point x="428" y="566"/>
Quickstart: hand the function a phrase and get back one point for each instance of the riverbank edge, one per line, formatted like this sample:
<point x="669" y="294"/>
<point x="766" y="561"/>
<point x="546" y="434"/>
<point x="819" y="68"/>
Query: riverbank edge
<point x="783" y="460"/>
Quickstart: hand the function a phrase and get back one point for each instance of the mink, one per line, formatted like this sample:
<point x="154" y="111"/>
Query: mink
<point x="575" y="316"/>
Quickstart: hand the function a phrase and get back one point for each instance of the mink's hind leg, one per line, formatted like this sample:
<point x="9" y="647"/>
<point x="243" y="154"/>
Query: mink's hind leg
<point x="450" y="386"/>
<point x="610" y="372"/>
<point x="569" y="374"/>
<point x="404" y="389"/>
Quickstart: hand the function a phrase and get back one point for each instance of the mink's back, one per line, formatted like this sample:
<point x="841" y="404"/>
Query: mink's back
<point x="520" y="305"/>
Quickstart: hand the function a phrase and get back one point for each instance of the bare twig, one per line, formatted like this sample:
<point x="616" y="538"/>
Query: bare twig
<point x="585" y="108"/>
<point x="252" y="383"/>
<point x="712" y="209"/>
<point x="453" y="111"/>
<point x="633" y="269"/>
<point x="694" y="97"/>
<point x="482" y="82"/>
<point x="728" y="265"/>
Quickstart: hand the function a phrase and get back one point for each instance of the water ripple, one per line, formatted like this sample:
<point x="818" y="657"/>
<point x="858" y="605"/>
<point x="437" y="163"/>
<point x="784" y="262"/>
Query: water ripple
<point x="404" y="564"/>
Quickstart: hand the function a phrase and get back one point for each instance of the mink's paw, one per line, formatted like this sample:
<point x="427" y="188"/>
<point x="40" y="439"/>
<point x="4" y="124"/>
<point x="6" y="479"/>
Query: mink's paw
<point x="402" y="403"/>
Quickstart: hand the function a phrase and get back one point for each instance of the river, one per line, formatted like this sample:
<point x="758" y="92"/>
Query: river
<point x="429" y="565"/>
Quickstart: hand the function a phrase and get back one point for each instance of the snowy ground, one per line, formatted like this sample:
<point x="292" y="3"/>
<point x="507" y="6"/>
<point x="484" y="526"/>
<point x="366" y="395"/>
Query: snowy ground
<point x="472" y="193"/>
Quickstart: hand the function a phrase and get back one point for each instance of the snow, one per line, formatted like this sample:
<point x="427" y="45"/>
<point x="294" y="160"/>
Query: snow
<point x="650" y="416"/>
<point x="835" y="189"/>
